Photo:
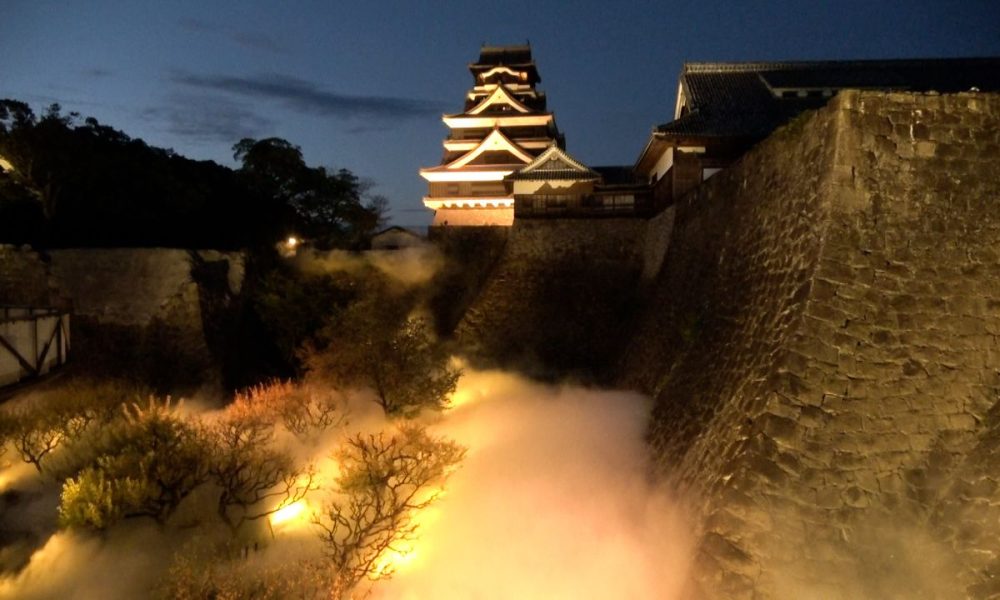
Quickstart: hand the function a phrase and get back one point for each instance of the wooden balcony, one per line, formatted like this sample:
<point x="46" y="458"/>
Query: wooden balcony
<point x="628" y="204"/>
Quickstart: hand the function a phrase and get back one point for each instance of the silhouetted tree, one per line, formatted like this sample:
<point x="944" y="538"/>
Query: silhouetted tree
<point x="327" y="208"/>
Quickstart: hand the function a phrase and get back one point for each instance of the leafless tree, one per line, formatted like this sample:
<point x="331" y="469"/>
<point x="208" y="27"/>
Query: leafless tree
<point x="384" y="482"/>
<point x="256" y="479"/>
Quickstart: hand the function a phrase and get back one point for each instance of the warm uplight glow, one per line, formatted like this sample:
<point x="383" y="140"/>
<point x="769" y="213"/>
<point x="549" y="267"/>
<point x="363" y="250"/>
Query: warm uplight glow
<point x="468" y="202"/>
<point x="405" y="555"/>
<point x="5" y="165"/>
<point x="393" y="561"/>
<point x="292" y="242"/>
<point x="295" y="513"/>
<point x="470" y="175"/>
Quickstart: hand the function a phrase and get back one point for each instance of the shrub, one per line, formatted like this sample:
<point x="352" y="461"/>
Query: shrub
<point x="151" y="460"/>
<point x="373" y="345"/>
<point x="38" y="427"/>
<point x="228" y="572"/>
<point x="255" y="478"/>
<point x="294" y="306"/>
<point x="384" y="482"/>
<point x="305" y="410"/>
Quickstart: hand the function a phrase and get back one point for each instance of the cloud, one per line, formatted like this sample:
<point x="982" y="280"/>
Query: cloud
<point x="254" y="40"/>
<point x="366" y="128"/>
<point x="306" y="97"/>
<point x="257" y="40"/>
<point x="407" y="266"/>
<point x="198" y="25"/>
<point x="553" y="500"/>
<point x="208" y="118"/>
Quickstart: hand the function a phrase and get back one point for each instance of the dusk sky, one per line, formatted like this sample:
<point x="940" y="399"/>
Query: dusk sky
<point x="362" y="85"/>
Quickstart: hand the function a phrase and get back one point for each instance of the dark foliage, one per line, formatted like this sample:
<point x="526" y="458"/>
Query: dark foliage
<point x="375" y="343"/>
<point x="294" y="307"/>
<point x="326" y="208"/>
<point x="163" y="357"/>
<point x="85" y="184"/>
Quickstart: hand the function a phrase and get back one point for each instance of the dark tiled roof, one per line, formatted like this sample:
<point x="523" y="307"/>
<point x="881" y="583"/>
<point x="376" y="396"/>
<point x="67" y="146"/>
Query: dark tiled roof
<point x="504" y="55"/>
<point x="552" y="175"/>
<point x="515" y="57"/>
<point x="744" y="99"/>
<point x="399" y="229"/>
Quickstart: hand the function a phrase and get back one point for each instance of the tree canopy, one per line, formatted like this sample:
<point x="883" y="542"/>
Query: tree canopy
<point x="65" y="183"/>
<point x="327" y="208"/>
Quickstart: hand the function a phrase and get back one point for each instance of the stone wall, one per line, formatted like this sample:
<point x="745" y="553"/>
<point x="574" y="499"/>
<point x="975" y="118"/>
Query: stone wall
<point x="470" y="256"/>
<point x="23" y="278"/>
<point x="154" y="313"/>
<point x="656" y="243"/>
<point x="134" y="286"/>
<point x="561" y="298"/>
<point x="821" y="346"/>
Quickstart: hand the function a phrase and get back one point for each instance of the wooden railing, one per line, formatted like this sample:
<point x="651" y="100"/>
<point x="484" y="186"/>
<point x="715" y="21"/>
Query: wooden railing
<point x="33" y="341"/>
<point x="589" y="205"/>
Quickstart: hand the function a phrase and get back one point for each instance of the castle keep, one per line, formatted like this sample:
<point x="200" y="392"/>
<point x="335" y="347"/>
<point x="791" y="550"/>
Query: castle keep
<point x="504" y="126"/>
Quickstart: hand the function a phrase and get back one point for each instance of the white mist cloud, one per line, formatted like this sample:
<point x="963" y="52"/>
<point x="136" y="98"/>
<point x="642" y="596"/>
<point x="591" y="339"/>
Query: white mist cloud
<point x="409" y="266"/>
<point x="552" y="501"/>
<point x="124" y="564"/>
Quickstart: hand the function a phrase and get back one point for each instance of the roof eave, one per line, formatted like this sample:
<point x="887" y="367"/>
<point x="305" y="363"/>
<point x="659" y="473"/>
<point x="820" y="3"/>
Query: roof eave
<point x="654" y="137"/>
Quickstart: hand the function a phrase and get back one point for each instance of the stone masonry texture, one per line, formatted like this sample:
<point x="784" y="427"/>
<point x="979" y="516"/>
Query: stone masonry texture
<point x="561" y="298"/>
<point x="127" y="302"/>
<point x="23" y="278"/>
<point x="821" y="344"/>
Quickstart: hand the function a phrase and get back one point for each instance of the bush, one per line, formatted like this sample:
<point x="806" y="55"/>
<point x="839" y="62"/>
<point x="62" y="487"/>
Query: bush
<point x="306" y="410"/>
<point x="228" y="572"/>
<point x="150" y="462"/>
<point x="384" y="482"/>
<point x="373" y="345"/>
<point x="39" y="426"/>
<point x="293" y="306"/>
<point x="255" y="477"/>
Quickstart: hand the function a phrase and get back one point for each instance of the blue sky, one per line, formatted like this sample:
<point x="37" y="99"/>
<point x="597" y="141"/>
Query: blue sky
<point x="362" y="85"/>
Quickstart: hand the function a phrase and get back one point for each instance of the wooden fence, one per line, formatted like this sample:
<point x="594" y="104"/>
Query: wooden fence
<point x="33" y="341"/>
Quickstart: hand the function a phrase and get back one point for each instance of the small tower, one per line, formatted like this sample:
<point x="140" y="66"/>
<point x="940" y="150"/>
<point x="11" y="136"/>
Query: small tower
<point x="503" y="127"/>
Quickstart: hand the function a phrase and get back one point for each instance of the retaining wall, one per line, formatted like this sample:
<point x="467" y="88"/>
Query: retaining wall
<point x="561" y="298"/>
<point x="821" y="343"/>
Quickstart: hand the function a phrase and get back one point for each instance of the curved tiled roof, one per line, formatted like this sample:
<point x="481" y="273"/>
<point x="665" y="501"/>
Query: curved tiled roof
<point x="745" y="99"/>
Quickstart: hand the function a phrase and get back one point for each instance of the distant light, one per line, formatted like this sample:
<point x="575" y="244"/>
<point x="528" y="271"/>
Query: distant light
<point x="288" y="247"/>
<point x="5" y="165"/>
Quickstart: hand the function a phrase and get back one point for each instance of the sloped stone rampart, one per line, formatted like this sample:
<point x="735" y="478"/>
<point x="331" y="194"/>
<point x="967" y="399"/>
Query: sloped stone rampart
<point x="821" y="343"/>
<point x="560" y="299"/>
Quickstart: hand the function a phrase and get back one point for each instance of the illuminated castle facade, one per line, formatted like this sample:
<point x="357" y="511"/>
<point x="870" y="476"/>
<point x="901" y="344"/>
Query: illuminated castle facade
<point x="505" y="158"/>
<point x="504" y="126"/>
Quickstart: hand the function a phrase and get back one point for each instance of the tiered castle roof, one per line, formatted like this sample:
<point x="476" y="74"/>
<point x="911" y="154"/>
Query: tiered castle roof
<point x="504" y="125"/>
